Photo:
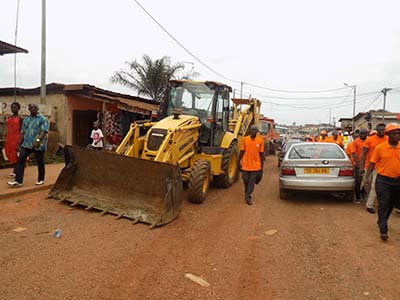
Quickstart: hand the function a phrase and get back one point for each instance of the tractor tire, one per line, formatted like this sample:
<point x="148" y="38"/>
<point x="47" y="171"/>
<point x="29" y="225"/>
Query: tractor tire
<point x="272" y="149"/>
<point x="283" y="194"/>
<point x="199" y="181"/>
<point x="230" y="166"/>
<point x="266" y="149"/>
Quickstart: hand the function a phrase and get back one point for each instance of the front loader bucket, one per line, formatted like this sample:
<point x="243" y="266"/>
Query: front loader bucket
<point x="142" y="190"/>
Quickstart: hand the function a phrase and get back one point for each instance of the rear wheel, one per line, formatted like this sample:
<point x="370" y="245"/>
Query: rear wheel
<point x="283" y="193"/>
<point x="229" y="166"/>
<point x="266" y="149"/>
<point x="199" y="181"/>
<point x="348" y="196"/>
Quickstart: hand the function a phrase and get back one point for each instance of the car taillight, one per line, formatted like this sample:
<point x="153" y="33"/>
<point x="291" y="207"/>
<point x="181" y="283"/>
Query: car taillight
<point x="288" y="171"/>
<point x="348" y="171"/>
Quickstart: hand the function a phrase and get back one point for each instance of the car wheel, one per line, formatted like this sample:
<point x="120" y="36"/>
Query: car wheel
<point x="349" y="196"/>
<point x="283" y="193"/>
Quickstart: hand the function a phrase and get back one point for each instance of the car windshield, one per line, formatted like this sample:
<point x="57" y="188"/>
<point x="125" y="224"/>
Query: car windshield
<point x="193" y="99"/>
<point x="316" y="151"/>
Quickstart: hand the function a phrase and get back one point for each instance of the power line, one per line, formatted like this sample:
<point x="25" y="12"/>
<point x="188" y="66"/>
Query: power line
<point x="295" y="92"/>
<point x="336" y="105"/>
<point x="310" y="98"/>
<point x="217" y="73"/>
<point x="372" y="102"/>
<point x="183" y="47"/>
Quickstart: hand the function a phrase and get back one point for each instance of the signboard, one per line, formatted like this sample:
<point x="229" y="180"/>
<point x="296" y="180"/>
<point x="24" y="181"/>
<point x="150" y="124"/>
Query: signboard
<point x="5" y="109"/>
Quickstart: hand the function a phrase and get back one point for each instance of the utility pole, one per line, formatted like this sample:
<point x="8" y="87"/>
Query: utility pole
<point x="241" y="90"/>
<point x="384" y="92"/>
<point x="15" y="54"/>
<point x="43" y="63"/>
<point x="354" y="87"/>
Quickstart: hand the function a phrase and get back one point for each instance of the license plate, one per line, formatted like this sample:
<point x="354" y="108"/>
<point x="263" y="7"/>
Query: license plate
<point x="317" y="170"/>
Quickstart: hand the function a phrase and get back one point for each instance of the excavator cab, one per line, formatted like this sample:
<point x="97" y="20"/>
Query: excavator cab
<point x="209" y="101"/>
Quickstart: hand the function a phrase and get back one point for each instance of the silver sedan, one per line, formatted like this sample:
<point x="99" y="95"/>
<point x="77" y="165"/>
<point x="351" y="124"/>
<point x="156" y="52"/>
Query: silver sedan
<point x="316" y="167"/>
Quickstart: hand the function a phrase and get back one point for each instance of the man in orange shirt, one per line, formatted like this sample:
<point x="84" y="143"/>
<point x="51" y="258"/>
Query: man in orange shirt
<point x="368" y="149"/>
<point x="322" y="137"/>
<point x="386" y="160"/>
<point x="348" y="148"/>
<point x="356" y="151"/>
<point x="251" y="161"/>
<point x="335" y="138"/>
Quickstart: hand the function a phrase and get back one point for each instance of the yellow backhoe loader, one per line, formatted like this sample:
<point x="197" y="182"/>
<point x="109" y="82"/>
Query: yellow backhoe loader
<point x="196" y="142"/>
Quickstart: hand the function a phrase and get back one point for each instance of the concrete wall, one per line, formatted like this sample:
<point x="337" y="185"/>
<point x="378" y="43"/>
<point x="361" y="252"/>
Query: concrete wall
<point x="376" y="119"/>
<point x="58" y="112"/>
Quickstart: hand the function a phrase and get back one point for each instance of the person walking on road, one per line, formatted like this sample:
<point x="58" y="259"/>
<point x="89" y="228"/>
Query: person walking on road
<point x="386" y="160"/>
<point x="323" y="136"/>
<point x="13" y="136"/>
<point x="356" y="151"/>
<point x="369" y="147"/>
<point x="33" y="140"/>
<point x="335" y="138"/>
<point x="251" y="161"/>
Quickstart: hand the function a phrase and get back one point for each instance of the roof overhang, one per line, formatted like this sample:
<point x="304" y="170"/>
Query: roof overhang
<point x="6" y="48"/>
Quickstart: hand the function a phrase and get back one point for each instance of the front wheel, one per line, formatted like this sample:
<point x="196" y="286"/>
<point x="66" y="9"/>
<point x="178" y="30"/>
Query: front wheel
<point x="229" y="166"/>
<point x="199" y="181"/>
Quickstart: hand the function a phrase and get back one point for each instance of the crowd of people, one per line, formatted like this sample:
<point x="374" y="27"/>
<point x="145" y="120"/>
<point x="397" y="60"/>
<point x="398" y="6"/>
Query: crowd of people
<point x="375" y="156"/>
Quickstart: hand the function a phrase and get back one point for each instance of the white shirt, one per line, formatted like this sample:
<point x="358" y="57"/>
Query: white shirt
<point x="96" y="135"/>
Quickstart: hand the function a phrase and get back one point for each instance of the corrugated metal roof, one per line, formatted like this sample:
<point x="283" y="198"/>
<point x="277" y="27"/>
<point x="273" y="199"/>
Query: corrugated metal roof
<point x="126" y="102"/>
<point x="6" y="48"/>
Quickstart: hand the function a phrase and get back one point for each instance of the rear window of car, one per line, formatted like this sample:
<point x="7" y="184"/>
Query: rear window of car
<point x="288" y="144"/>
<point x="316" y="151"/>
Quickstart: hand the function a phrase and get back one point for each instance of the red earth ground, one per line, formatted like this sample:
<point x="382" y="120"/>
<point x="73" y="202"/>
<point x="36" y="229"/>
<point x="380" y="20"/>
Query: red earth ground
<point x="325" y="248"/>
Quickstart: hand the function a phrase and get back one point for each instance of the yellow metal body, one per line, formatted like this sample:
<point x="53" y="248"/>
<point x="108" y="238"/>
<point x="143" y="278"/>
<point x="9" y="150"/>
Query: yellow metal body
<point x="181" y="135"/>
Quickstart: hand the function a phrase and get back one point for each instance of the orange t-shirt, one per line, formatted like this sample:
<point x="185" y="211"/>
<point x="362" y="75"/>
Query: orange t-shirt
<point x="348" y="152"/>
<point x="371" y="143"/>
<point x="252" y="148"/>
<point x="338" y="141"/>
<point x="387" y="160"/>
<point x="356" y="147"/>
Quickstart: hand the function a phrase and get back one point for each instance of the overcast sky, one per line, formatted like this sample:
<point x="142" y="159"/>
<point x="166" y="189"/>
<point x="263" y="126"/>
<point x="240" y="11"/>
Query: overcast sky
<point x="287" y="45"/>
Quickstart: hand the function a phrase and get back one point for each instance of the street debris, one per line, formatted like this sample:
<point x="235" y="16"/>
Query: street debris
<point x="57" y="233"/>
<point x="271" y="232"/>
<point x="197" y="279"/>
<point x="19" y="229"/>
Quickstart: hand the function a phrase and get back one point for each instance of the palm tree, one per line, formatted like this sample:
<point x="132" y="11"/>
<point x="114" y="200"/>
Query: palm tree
<point x="150" y="78"/>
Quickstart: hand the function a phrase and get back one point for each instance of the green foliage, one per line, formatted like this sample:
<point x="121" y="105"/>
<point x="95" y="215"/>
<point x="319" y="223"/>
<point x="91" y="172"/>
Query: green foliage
<point x="149" y="78"/>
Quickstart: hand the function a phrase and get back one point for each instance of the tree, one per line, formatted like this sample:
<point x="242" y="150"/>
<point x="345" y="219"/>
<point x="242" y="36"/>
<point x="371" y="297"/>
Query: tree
<point x="148" y="78"/>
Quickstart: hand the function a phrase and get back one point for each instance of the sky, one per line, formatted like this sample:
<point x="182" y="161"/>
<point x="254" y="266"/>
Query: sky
<point x="293" y="46"/>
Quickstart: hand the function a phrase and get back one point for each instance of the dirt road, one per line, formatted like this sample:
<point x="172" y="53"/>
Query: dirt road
<point x="324" y="249"/>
